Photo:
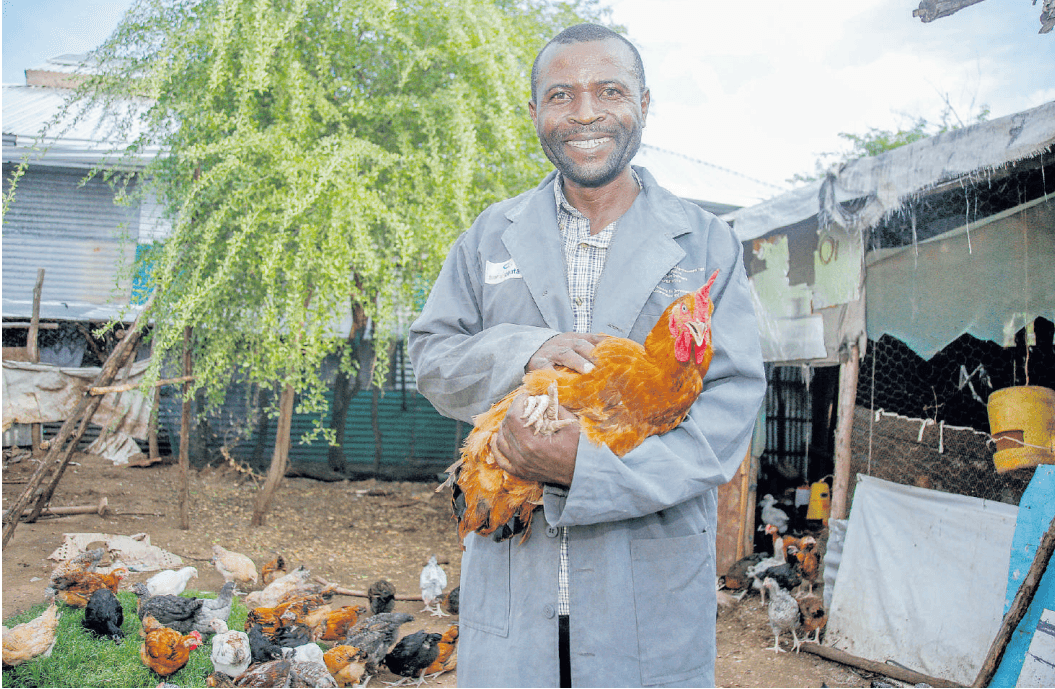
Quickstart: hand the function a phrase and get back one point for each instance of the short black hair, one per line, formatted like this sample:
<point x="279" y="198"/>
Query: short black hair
<point x="585" y="33"/>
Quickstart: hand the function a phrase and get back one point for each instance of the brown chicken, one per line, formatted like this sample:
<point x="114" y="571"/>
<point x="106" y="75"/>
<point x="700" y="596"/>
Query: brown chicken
<point x="84" y="562"/>
<point x="165" y="650"/>
<point x="783" y="544"/>
<point x="634" y="391"/>
<point x="31" y="639"/>
<point x="273" y="570"/>
<point x="346" y="663"/>
<point x="335" y="625"/>
<point x="234" y="566"/>
<point x="809" y="561"/>
<point x="76" y="588"/>
<point x="814" y="617"/>
<point x="447" y="659"/>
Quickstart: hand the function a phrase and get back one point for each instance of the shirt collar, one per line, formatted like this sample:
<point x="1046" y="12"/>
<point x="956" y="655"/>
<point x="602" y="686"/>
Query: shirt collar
<point x="562" y="200"/>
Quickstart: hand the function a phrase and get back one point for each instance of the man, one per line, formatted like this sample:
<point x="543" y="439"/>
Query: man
<point x="615" y="586"/>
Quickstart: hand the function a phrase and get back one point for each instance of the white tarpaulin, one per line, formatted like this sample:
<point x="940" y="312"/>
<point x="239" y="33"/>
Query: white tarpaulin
<point x="39" y="393"/>
<point x="922" y="578"/>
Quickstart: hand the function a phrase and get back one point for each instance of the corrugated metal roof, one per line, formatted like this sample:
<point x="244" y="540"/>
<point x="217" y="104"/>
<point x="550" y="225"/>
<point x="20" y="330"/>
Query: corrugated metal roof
<point x="715" y="188"/>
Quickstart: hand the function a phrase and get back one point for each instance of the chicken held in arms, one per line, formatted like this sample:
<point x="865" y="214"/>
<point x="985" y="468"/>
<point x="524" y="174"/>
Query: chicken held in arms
<point x="634" y="391"/>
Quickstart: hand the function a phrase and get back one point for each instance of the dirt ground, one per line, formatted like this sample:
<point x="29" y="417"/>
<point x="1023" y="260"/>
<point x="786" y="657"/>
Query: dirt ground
<point x="350" y="533"/>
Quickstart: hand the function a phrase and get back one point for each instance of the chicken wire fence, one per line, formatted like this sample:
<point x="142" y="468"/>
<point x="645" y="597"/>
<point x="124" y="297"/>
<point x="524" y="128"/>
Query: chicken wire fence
<point x="925" y="423"/>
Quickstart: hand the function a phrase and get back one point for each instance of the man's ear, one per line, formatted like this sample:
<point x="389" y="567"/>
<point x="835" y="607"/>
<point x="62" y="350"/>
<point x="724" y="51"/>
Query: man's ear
<point x="534" y="113"/>
<point x="646" y="98"/>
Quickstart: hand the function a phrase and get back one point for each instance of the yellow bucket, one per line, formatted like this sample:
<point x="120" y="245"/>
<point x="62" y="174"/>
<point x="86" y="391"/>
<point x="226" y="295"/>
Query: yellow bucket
<point x="1022" y="421"/>
<point x="820" y="501"/>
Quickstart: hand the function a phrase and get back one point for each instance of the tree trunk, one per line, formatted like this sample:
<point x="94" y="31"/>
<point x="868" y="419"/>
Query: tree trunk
<point x="152" y="428"/>
<point x="36" y="430"/>
<point x="263" y="425"/>
<point x="184" y="435"/>
<point x="278" y="460"/>
<point x="344" y="389"/>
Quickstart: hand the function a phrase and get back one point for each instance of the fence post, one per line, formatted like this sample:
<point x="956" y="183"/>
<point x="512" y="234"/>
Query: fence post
<point x="844" y="432"/>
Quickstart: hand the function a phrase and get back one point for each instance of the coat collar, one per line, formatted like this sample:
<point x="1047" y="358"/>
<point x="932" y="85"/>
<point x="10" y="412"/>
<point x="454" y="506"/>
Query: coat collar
<point x="643" y="251"/>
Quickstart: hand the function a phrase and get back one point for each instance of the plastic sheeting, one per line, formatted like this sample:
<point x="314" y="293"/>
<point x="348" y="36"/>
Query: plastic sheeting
<point x="922" y="578"/>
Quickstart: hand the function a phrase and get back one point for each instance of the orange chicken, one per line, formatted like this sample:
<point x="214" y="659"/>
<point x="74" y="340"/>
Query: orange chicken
<point x="335" y="625"/>
<point x="165" y="650"/>
<point x="346" y="663"/>
<point x="447" y="659"/>
<point x="809" y="561"/>
<point x="634" y="391"/>
<point x="76" y="588"/>
<point x="273" y="570"/>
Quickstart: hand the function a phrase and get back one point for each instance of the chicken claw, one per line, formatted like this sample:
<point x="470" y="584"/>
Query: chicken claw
<point x="540" y="411"/>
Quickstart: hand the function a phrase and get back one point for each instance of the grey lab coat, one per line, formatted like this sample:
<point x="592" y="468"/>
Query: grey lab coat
<point x="641" y="527"/>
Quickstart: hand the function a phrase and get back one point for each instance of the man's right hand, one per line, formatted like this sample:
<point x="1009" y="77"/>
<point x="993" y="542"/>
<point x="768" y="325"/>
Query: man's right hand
<point x="567" y="349"/>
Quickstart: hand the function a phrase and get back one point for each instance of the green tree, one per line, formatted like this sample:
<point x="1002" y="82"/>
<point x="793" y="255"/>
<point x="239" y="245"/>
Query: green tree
<point x="876" y="141"/>
<point x="316" y="158"/>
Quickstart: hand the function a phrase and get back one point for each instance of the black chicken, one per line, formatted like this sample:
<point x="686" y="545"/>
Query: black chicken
<point x="174" y="612"/>
<point x="375" y="636"/>
<point x="103" y="615"/>
<point x="449" y="600"/>
<point x="413" y="654"/>
<point x="261" y="646"/>
<point x="382" y="595"/>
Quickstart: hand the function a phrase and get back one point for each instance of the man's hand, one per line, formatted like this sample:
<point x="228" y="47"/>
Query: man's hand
<point x="536" y="457"/>
<point x="567" y="349"/>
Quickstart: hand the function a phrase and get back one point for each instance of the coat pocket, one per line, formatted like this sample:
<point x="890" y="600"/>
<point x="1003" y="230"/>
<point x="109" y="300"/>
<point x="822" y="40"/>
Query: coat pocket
<point x="674" y="604"/>
<point x="485" y="585"/>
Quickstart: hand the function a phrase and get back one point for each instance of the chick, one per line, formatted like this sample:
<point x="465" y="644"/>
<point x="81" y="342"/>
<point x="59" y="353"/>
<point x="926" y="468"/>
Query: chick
<point x="273" y="673"/>
<point x="84" y="562"/>
<point x="272" y="594"/>
<point x="31" y="639"/>
<point x="273" y="570"/>
<point x="74" y="589"/>
<point x="231" y="653"/>
<point x="214" y="609"/>
<point x="375" y="636"/>
<point x="310" y="674"/>
<point x="346" y="663"/>
<point x="432" y="580"/>
<point x="447" y="659"/>
<point x="335" y="624"/>
<point x="234" y="566"/>
<point x="171" y="582"/>
<point x="263" y="649"/>
<point x="784" y="615"/>
<point x="103" y="615"/>
<point x="382" y="596"/>
<point x="176" y="612"/>
<point x="413" y="655"/>
<point x="449" y="600"/>
<point x="814" y="616"/>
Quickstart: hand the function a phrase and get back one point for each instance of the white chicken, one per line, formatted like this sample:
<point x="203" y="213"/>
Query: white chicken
<point x="231" y="653"/>
<point x="171" y="582"/>
<point x="272" y="594"/>
<point x="773" y="515"/>
<point x="433" y="580"/>
<point x="305" y="653"/>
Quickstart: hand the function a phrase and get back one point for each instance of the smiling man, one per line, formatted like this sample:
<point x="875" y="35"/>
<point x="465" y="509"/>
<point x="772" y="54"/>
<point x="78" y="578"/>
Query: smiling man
<point x="616" y="587"/>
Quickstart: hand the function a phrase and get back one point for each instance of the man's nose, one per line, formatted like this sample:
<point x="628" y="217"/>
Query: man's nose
<point x="588" y="110"/>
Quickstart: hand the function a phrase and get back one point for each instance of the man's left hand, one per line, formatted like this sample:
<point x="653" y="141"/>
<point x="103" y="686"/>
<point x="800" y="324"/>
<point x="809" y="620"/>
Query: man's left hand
<point x="532" y="456"/>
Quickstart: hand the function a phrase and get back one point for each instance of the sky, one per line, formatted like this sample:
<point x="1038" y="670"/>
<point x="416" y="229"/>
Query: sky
<point x="760" y="88"/>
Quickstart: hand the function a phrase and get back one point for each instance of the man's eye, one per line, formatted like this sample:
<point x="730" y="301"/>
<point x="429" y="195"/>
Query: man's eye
<point x="611" y="93"/>
<point x="560" y="95"/>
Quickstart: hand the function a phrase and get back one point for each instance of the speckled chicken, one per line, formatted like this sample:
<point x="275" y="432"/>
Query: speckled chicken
<point x="814" y="617"/>
<point x="32" y="639"/>
<point x="176" y="612"/>
<point x="375" y="636"/>
<point x="273" y="673"/>
<point x="103" y="616"/>
<point x="165" y="650"/>
<point x="310" y="674"/>
<point x="346" y="663"/>
<point x="83" y="562"/>
<point x="74" y="589"/>
<point x="784" y="615"/>
<point x="432" y="580"/>
<point x="231" y="653"/>
<point x="234" y="566"/>
<point x="382" y="596"/>
<point x="171" y="582"/>
<point x="413" y="654"/>
<point x="218" y="608"/>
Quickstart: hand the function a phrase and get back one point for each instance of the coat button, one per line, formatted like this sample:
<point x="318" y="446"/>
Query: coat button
<point x="551" y="531"/>
<point x="548" y="611"/>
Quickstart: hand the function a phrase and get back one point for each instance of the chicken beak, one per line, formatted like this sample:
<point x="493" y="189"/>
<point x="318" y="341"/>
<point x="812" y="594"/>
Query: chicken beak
<point x="699" y="331"/>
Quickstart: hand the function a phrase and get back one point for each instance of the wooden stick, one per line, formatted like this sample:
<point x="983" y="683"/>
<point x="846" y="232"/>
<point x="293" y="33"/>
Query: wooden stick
<point x="102" y="509"/>
<point x="125" y="387"/>
<point x="886" y="669"/>
<point x="184" y="435"/>
<point x="58" y="455"/>
<point x="41" y="326"/>
<point x="844" y="434"/>
<point x="1019" y="606"/>
<point x="152" y="426"/>
<point x="341" y="591"/>
<point x="36" y="430"/>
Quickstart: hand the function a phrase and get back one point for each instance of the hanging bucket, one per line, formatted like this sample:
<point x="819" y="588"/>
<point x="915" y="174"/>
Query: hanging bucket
<point x="1022" y="422"/>
<point x="820" y="501"/>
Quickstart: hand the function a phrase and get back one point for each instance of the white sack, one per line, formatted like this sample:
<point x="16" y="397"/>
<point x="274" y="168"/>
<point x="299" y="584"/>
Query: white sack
<point x="922" y="578"/>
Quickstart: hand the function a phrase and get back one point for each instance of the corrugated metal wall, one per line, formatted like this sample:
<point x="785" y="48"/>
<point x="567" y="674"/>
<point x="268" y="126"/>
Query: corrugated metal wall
<point x="73" y="232"/>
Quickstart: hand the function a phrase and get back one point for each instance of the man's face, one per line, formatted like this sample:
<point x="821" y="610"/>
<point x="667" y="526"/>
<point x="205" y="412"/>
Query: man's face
<point x="590" y="110"/>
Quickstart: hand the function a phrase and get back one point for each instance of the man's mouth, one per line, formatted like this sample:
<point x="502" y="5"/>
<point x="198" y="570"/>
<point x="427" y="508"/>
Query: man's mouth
<point x="587" y="144"/>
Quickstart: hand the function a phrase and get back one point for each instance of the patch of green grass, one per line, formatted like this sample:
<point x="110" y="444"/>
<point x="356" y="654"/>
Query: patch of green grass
<point x="81" y="659"/>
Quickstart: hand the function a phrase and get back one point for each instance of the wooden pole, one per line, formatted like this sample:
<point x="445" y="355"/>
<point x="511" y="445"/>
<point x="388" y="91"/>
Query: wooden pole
<point x="36" y="430"/>
<point x="898" y="673"/>
<point x="746" y="478"/>
<point x="184" y="435"/>
<point x="844" y="433"/>
<point x="59" y="451"/>
<point x="152" y="426"/>
<point x="1026" y="591"/>
<point x="278" y="459"/>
